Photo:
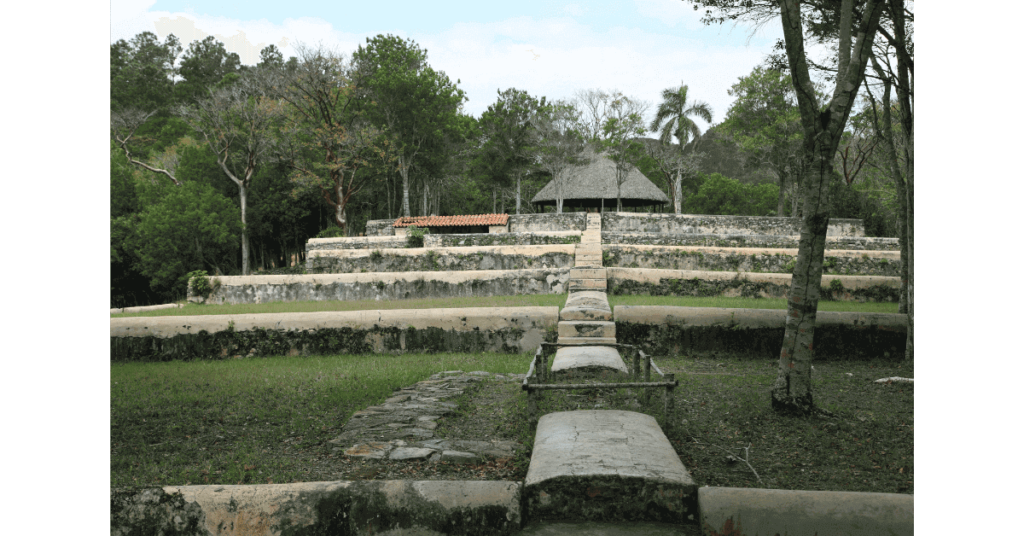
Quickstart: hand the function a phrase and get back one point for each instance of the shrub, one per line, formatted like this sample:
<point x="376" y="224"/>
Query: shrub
<point x="331" y="232"/>
<point x="201" y="284"/>
<point x="729" y="197"/>
<point x="414" y="236"/>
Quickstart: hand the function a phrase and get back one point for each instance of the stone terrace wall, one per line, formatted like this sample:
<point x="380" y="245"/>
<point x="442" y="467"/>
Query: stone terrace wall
<point x="346" y="261"/>
<point x="501" y="239"/>
<point x="355" y="242"/>
<point x="749" y="241"/>
<point x="629" y="222"/>
<point x="380" y="227"/>
<point x="386" y="286"/>
<point x="546" y="222"/>
<point x="884" y="263"/>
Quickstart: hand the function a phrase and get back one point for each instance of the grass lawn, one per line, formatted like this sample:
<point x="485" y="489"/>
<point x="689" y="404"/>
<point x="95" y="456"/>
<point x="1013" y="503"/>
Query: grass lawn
<point x="269" y="419"/>
<point x="532" y="300"/>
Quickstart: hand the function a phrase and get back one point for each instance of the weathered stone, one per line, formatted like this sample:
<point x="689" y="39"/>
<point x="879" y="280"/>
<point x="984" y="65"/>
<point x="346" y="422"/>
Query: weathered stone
<point x="410" y="453"/>
<point x="587" y="358"/>
<point x="574" y="328"/>
<point x="455" y="456"/>
<point x="345" y="261"/>
<point x="632" y="222"/>
<point x="753" y="241"/>
<point x="586" y="340"/>
<point x="369" y="450"/>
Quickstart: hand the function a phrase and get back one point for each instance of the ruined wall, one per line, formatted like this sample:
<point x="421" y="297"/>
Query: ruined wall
<point x="441" y="259"/>
<point x="355" y="242"/>
<point x="865" y="243"/>
<point x="659" y="282"/>
<point x="630" y="222"/>
<point x="385" y="286"/>
<point x="501" y="239"/>
<point x="380" y="227"/>
<point x="757" y="333"/>
<point x="546" y="222"/>
<point x="882" y="263"/>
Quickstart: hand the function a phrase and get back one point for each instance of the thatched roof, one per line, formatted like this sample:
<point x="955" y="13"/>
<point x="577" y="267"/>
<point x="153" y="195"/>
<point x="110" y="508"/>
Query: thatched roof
<point x="587" y="186"/>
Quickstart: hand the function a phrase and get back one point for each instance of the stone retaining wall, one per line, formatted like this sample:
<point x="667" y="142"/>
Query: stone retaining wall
<point x="351" y="508"/>
<point x="380" y="227"/>
<point x="502" y="239"/>
<point x="345" y="261"/>
<point x="547" y="222"/>
<point x="355" y="242"/>
<point x="882" y="263"/>
<point x="385" y="286"/>
<point x="634" y="222"/>
<point x="856" y="243"/>
<point x="757" y="333"/>
<point x="475" y="329"/>
<point x="658" y="282"/>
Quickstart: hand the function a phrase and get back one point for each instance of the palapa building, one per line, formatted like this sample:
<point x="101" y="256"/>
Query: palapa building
<point x="476" y="223"/>
<point x="593" y="186"/>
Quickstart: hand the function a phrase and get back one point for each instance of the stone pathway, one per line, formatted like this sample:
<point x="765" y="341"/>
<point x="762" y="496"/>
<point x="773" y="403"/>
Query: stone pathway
<point x="402" y="428"/>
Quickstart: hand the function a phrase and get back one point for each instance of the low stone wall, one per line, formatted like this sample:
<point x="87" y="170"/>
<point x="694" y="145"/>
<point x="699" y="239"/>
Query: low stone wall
<point x="352" y="508"/>
<point x="502" y="239"/>
<point x="386" y="286"/>
<point x="658" y="282"/>
<point x="634" y="222"/>
<point x="883" y="263"/>
<point x="380" y="227"/>
<point x="344" y="261"/>
<point x="546" y="222"/>
<point x="475" y="329"/>
<point x="355" y="242"/>
<point x="856" y="243"/>
<point x="757" y="333"/>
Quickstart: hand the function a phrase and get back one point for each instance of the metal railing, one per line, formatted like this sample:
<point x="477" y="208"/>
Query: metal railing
<point x="540" y="378"/>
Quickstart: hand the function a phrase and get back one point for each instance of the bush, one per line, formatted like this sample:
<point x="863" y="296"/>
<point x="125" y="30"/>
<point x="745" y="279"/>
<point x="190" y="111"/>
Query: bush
<point x="414" y="236"/>
<point x="331" y="232"/>
<point x="201" y="284"/>
<point x="729" y="197"/>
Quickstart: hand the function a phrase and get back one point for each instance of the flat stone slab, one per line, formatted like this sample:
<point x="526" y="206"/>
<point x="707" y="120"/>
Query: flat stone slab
<point x="411" y="453"/>
<point x="578" y="328"/>
<point x="588" y="273"/>
<point x="587" y="284"/>
<point x="588" y="357"/>
<point x="586" y="340"/>
<point x="804" y="513"/>
<point x="606" y="465"/>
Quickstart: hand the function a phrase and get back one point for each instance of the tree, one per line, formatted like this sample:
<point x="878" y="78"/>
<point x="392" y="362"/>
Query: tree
<point x="204" y="65"/>
<point x="508" y="130"/>
<point x="679" y="169"/>
<point x="673" y="120"/>
<point x="238" y="123"/>
<point x="624" y="124"/>
<point x="823" y="125"/>
<point x="561" y="145"/>
<point x="725" y="196"/>
<point x="765" y="122"/>
<point x="331" y="141"/>
<point x="413" y="102"/>
<point x="142" y="72"/>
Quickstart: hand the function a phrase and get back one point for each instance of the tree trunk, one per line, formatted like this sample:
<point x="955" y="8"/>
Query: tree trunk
<point x="678" y="192"/>
<point x="245" y="232"/>
<point x="494" y="200"/>
<point x="519" y="193"/>
<point x="404" y="170"/>
<point x="426" y="194"/>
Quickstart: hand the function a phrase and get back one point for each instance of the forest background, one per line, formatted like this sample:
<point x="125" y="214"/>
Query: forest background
<point x="316" y="144"/>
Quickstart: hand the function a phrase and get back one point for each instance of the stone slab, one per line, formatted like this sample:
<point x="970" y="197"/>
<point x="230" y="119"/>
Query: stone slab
<point x="588" y="357"/>
<point x="575" y="328"/>
<point x="410" y="453"/>
<point x="804" y="513"/>
<point x="606" y="465"/>
<point x="586" y="340"/>
<point x="455" y="456"/>
<point x="588" y="273"/>
<point x="587" y="284"/>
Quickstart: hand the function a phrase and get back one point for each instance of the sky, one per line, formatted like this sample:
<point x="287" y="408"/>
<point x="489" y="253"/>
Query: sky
<point x="551" y="49"/>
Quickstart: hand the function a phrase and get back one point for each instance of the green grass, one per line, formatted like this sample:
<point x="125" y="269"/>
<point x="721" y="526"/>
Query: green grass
<point x="530" y="300"/>
<point x="253" y="420"/>
<point x="748" y="303"/>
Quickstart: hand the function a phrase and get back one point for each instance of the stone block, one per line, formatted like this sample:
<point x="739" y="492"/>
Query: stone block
<point x="586" y="340"/>
<point x="587" y="284"/>
<point x="588" y="358"/>
<point x="586" y="329"/>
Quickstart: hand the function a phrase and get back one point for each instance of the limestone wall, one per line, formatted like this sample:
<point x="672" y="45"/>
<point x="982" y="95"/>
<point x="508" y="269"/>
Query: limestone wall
<point x="474" y="329"/>
<point x="636" y="222"/>
<point x="344" y="261"/>
<point x="748" y="241"/>
<point x="380" y="227"/>
<point x="757" y="333"/>
<point x="883" y="263"/>
<point x="386" y="286"/>
<point x="658" y="282"/>
<point x="547" y="222"/>
<point x="501" y="239"/>
<point x="355" y="242"/>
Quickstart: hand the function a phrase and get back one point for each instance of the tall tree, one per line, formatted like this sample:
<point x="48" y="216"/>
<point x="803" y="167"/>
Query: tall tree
<point x="415" y="103"/>
<point x="673" y="120"/>
<point x="561" y="145"/>
<point x="238" y="124"/>
<point x="823" y="125"/>
<point x="508" y="130"/>
<point x="765" y="122"/>
<point x="142" y="72"/>
<point x="623" y="125"/>
<point x="204" y="65"/>
<point x="331" y="141"/>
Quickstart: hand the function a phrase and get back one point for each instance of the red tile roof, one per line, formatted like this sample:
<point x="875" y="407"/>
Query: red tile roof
<point x="453" y="221"/>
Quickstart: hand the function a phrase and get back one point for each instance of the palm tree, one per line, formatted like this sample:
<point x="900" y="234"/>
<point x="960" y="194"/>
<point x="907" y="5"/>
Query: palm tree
<point x="673" y="119"/>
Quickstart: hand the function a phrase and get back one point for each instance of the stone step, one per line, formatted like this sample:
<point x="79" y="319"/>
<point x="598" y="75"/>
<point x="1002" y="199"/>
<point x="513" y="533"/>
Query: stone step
<point x="586" y="305"/>
<point x="576" y="328"/>
<point x="585" y="273"/>
<point x="588" y="248"/>
<point x="586" y="340"/>
<point x="588" y="358"/>
<point x="606" y="465"/>
<point x="587" y="284"/>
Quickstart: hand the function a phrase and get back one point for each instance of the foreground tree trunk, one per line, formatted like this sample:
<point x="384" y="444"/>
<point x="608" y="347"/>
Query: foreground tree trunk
<point x="678" y="192"/>
<point x="823" y="129"/>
